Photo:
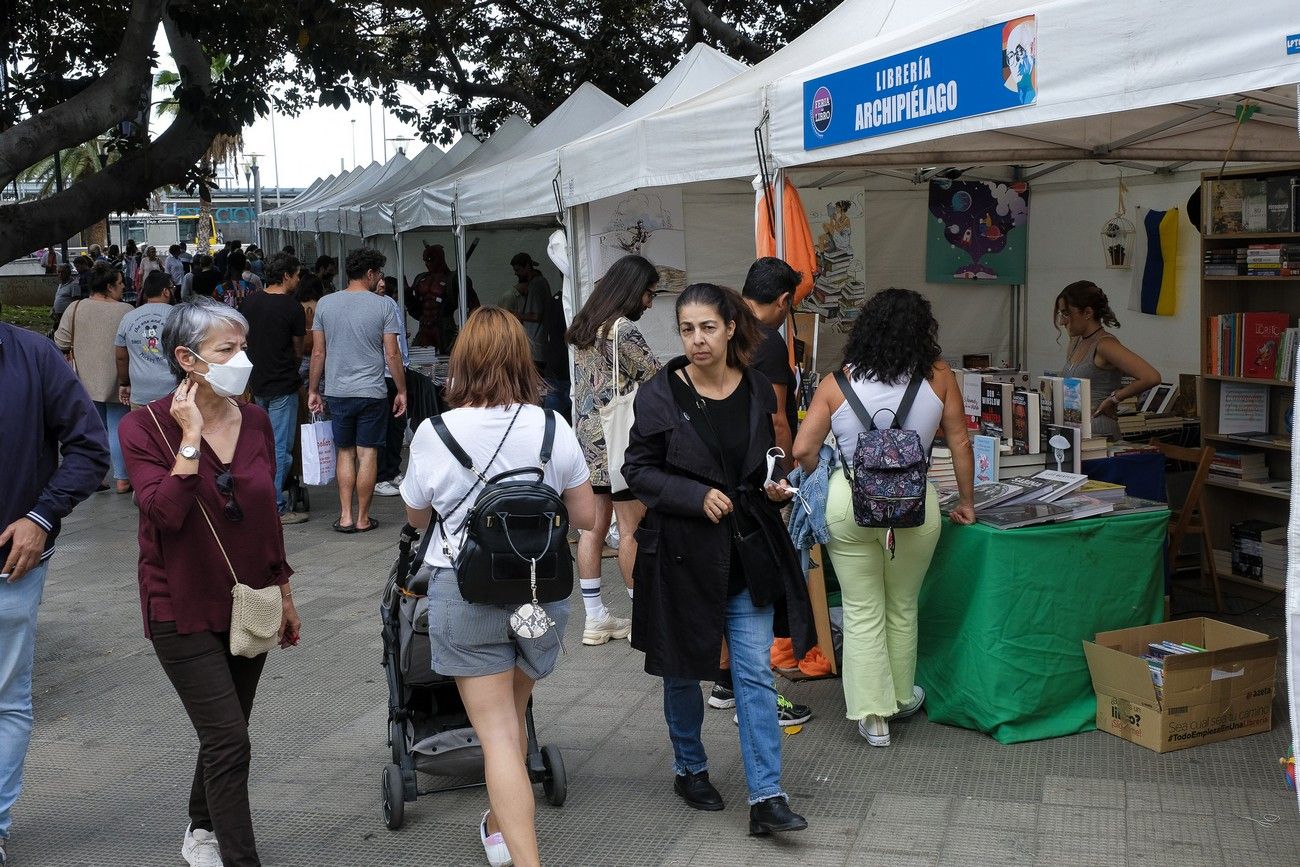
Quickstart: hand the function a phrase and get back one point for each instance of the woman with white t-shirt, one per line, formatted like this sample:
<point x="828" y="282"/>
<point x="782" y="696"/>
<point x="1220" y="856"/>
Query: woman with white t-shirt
<point x="498" y="421"/>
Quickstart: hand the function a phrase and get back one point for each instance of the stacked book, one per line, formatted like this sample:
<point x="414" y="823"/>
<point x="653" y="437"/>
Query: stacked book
<point x="1225" y="262"/>
<point x="1272" y="260"/>
<point x="1248" y="541"/>
<point x="942" y="474"/>
<point x="1148" y="422"/>
<point x="1239" y="466"/>
<point x="1155" y="656"/>
<point x="836" y="295"/>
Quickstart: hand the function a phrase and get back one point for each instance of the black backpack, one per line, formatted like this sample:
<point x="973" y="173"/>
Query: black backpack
<point x="516" y="531"/>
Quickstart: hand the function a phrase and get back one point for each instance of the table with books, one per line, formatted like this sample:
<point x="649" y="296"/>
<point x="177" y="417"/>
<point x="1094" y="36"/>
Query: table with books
<point x="1003" y="613"/>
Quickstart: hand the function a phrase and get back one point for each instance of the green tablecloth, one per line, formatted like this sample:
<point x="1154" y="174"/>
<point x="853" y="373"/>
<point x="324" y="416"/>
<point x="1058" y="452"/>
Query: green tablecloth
<point x="1003" y="613"/>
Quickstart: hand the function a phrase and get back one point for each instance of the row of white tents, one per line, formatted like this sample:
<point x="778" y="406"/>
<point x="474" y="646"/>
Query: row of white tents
<point x="1146" y="84"/>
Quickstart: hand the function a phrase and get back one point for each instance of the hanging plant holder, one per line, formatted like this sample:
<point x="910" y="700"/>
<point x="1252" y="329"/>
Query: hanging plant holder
<point x="1117" y="242"/>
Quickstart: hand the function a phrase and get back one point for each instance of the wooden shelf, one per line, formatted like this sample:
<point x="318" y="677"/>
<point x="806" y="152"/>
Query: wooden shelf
<point x="1249" y="582"/>
<point x="1218" y="438"/>
<point x="1255" y="236"/>
<point x="1246" y="278"/>
<point x="1248" y="380"/>
<point x="1277" y="495"/>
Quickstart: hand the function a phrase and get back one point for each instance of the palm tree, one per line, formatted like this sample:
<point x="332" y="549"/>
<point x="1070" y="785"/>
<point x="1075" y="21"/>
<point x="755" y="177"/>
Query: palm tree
<point x="223" y="148"/>
<point x="77" y="163"/>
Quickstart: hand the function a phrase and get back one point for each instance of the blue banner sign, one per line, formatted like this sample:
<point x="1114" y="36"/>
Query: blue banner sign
<point x="1293" y="44"/>
<point x="987" y="70"/>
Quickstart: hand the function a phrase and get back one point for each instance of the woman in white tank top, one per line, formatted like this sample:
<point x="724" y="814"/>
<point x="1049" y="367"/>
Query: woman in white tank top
<point x="894" y="340"/>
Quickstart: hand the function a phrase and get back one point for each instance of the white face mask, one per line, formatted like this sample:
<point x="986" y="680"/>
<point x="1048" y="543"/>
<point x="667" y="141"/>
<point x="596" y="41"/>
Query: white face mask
<point x="229" y="379"/>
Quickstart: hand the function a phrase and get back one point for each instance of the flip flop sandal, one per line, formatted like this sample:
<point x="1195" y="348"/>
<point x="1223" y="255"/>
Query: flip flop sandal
<point x="374" y="522"/>
<point x="343" y="528"/>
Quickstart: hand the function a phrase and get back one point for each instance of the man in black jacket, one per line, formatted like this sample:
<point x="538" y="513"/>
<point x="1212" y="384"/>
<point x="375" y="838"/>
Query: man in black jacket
<point x="45" y="411"/>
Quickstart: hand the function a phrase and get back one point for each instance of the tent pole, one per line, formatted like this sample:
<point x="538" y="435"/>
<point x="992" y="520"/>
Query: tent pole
<point x="778" y="201"/>
<point x="401" y="275"/>
<point x="461" y="277"/>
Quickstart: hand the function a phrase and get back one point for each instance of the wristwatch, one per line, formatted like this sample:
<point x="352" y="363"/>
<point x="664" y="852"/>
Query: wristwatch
<point x="190" y="453"/>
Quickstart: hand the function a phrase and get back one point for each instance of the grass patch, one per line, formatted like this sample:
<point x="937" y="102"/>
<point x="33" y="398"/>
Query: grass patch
<point x="32" y="318"/>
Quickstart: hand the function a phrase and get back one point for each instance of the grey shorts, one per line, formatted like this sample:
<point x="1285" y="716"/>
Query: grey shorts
<point x="469" y="640"/>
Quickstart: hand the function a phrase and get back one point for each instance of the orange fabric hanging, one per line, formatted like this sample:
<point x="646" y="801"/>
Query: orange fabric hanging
<point x="799" y="251"/>
<point x="800" y="254"/>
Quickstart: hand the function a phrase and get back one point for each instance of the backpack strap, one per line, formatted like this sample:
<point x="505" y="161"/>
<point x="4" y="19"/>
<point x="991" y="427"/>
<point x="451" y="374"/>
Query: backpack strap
<point x="548" y="438"/>
<point x="909" y="397"/>
<point x="444" y="434"/>
<point x="854" y="402"/>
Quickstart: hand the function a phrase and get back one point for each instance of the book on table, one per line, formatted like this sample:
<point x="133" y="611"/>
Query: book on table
<point x="1083" y="506"/>
<point x="1063" y="448"/>
<point x="1060" y="484"/>
<point x="1030" y="489"/>
<point x="1049" y="399"/>
<point x="986" y="450"/>
<point x="1106" y="491"/>
<point x="1137" y="506"/>
<point x="1021" y="515"/>
<point x="1076" y="404"/>
<point x="1026" y="422"/>
<point x="995" y="408"/>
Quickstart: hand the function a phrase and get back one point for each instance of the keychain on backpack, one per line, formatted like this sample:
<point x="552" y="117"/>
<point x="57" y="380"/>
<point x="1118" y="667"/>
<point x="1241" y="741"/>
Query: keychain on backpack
<point x="530" y="620"/>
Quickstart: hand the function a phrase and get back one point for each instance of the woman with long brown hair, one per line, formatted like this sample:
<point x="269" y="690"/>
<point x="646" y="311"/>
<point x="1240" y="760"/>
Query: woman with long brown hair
<point x="497" y="419"/>
<point x="606" y="342"/>
<point x="1097" y="355"/>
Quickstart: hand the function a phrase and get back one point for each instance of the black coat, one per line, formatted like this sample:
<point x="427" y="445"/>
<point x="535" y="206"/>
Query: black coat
<point x="683" y="559"/>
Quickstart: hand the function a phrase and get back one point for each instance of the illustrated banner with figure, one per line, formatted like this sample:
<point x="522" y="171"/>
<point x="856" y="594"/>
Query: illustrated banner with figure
<point x="990" y="69"/>
<point x="649" y="223"/>
<point x="978" y="230"/>
<point x="837" y="218"/>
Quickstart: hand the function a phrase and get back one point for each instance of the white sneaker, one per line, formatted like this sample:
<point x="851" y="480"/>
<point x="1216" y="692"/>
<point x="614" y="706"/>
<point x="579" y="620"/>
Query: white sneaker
<point x="600" y="631"/>
<point x="875" y="729"/>
<point x="494" y="845"/>
<point x="200" y="848"/>
<point x="387" y="489"/>
<point x="918" y="699"/>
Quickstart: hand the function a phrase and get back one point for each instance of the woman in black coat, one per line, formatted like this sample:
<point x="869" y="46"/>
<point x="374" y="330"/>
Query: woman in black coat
<point x="713" y="556"/>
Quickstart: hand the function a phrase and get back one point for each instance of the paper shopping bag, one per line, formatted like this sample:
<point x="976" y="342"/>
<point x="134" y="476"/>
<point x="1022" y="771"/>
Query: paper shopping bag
<point x="317" y="453"/>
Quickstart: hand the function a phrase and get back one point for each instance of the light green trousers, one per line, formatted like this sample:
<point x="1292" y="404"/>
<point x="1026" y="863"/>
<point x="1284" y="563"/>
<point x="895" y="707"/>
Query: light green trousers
<point x="880" y="601"/>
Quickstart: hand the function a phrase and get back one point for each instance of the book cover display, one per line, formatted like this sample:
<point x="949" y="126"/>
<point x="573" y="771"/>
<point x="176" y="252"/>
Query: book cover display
<point x="1063" y="448"/>
<point x="978" y="230"/>
<point x="986" y="449"/>
<point x="1076" y="404"/>
<point x="1025" y="422"/>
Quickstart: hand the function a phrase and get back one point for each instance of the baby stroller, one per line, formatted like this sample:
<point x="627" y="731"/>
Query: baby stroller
<point x="428" y="729"/>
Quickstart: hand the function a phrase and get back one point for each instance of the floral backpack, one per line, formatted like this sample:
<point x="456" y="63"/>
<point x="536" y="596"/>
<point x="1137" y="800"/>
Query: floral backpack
<point x="889" y="467"/>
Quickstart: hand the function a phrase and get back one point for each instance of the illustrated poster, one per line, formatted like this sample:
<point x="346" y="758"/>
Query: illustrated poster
<point x="978" y="231"/>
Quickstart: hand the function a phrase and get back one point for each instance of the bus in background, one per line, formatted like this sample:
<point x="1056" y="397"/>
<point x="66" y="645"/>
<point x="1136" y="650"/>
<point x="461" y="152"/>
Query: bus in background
<point x="189" y="231"/>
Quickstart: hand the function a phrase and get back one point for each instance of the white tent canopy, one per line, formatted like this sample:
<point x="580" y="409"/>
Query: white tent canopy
<point x="329" y="214"/>
<point x="416" y="209"/>
<point x="278" y="218"/>
<point x="1116" y="80"/>
<point x="320" y="208"/>
<point x="517" y="181"/>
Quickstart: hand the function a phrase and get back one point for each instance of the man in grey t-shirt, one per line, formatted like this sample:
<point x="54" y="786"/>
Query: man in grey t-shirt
<point x="357" y="339"/>
<point x="142" y="372"/>
<point x="535" y="291"/>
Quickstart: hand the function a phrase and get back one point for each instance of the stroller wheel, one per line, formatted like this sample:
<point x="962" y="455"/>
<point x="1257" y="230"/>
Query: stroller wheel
<point x="397" y="741"/>
<point x="556" y="784"/>
<point x="393" y="796"/>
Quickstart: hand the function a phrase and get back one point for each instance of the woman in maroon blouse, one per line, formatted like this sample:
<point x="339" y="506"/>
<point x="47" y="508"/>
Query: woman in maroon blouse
<point x="207" y="448"/>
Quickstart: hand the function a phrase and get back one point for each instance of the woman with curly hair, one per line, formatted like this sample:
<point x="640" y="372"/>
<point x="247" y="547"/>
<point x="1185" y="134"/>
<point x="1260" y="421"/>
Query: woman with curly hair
<point x="893" y="342"/>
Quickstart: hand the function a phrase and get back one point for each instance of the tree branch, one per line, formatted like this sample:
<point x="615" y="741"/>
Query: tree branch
<point x="113" y="97"/>
<point x="537" y="21"/>
<point x="738" y="43"/>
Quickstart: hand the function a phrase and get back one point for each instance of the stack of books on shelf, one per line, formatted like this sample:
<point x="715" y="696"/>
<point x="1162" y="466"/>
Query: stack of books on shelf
<point x="1225" y="262"/>
<point x="1249" y="539"/>
<point x="1273" y="260"/>
<point x="1248" y="345"/>
<point x="1147" y="423"/>
<point x="942" y="474"/>
<point x="1239" y="466"/>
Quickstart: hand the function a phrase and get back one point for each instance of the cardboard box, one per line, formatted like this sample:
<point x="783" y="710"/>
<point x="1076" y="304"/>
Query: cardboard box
<point x="1226" y="692"/>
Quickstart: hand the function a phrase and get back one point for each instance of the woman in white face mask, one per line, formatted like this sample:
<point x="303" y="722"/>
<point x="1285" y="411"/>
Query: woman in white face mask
<point x="203" y="466"/>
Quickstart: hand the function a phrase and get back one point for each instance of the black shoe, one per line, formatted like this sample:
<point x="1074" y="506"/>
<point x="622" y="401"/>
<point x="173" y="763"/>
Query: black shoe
<point x="772" y="815"/>
<point x="697" y="791"/>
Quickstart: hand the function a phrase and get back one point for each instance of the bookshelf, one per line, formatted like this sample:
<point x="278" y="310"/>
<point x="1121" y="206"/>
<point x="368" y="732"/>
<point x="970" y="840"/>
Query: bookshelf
<point x="1245" y="210"/>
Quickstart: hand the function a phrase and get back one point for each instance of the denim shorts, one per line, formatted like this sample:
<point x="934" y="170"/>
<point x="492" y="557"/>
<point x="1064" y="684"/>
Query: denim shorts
<point x="473" y="640"/>
<point x="358" y="421"/>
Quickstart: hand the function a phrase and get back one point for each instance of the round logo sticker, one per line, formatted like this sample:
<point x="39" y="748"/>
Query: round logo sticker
<point x="821" y="110"/>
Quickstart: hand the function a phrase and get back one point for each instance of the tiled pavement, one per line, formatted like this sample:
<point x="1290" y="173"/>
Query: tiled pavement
<point x="108" y="772"/>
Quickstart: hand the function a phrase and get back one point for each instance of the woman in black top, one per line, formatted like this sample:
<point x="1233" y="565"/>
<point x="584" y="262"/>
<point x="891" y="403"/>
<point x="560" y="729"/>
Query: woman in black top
<point x="713" y="557"/>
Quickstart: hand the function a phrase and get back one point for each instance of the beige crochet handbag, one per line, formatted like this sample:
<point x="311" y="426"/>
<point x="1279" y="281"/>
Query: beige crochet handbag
<point x="255" y="615"/>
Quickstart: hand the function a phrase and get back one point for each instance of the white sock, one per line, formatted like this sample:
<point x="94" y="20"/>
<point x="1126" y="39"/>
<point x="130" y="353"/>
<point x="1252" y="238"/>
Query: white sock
<point x="591" y="600"/>
<point x="629" y="593"/>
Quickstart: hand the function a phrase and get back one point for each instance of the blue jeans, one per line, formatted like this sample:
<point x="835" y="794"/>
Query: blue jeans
<point x="110" y="413"/>
<point x="283" y="411"/>
<point x="557" y="396"/>
<point x="18" y="603"/>
<point x="749" y="640"/>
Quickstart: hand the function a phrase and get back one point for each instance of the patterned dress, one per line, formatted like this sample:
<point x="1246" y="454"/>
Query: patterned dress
<point x="593" y="368"/>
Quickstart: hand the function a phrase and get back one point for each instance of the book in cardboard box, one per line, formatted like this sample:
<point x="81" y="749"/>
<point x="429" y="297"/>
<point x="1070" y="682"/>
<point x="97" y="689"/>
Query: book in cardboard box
<point x="1224" y="692"/>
